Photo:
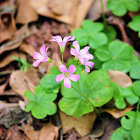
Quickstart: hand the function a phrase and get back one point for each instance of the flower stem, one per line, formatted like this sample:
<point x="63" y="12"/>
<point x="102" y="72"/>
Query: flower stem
<point x="88" y="101"/>
<point x="136" y="115"/>
<point x="103" y="13"/>
<point x="54" y="64"/>
<point x="62" y="59"/>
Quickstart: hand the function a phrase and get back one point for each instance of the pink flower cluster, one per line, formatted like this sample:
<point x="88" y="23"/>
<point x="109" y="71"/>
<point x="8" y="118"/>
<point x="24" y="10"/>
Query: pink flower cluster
<point x="82" y="55"/>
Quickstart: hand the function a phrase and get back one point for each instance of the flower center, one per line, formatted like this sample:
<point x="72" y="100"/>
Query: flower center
<point x="67" y="74"/>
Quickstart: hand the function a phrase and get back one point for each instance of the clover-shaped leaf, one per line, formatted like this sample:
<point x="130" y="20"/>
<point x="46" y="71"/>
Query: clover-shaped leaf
<point x="121" y="134"/>
<point x="116" y="56"/>
<point x="120" y="7"/>
<point x="49" y="83"/>
<point x="136" y="87"/>
<point x="95" y="87"/>
<point x="110" y="32"/>
<point x="127" y="123"/>
<point x="130" y="95"/>
<point x="90" y="34"/>
<point x="41" y="104"/>
<point x="135" y="24"/>
<point x="135" y="70"/>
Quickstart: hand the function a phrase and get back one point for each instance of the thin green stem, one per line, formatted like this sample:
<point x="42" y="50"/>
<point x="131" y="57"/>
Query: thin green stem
<point x="53" y="63"/>
<point x="103" y="13"/>
<point x="88" y="101"/>
<point x="62" y="59"/>
<point x="136" y="116"/>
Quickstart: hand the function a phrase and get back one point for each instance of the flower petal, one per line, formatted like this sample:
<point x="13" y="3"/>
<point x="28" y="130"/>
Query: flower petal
<point x="63" y="68"/>
<point x="57" y="38"/>
<point x="87" y="69"/>
<point x="76" y="45"/>
<point x="90" y="64"/>
<point x="67" y="83"/>
<point x="42" y="50"/>
<point x="37" y="55"/>
<point x="36" y="63"/>
<point x="71" y="69"/>
<point x="84" y="50"/>
<point x="60" y="77"/>
<point x="73" y="52"/>
<point x="82" y="61"/>
<point x="68" y="38"/>
<point x="45" y="59"/>
<point x="72" y="38"/>
<point x="88" y="56"/>
<point x="47" y="49"/>
<point x="74" y="77"/>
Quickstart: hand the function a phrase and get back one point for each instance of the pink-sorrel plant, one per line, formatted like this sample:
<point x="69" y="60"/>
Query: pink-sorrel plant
<point x="81" y="92"/>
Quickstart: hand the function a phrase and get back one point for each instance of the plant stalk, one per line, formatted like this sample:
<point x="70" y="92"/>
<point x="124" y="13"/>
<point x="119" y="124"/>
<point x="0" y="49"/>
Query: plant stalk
<point x="88" y="101"/>
<point x="103" y="13"/>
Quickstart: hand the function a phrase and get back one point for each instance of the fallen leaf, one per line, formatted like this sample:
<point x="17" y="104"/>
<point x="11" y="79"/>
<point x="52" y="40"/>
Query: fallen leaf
<point x="120" y="78"/>
<point x="98" y="129"/>
<point x="82" y="125"/>
<point x="48" y="132"/>
<point x="81" y="12"/>
<point x="12" y="115"/>
<point x="96" y="11"/>
<point x="73" y="136"/>
<point x="117" y="113"/>
<point x="87" y="138"/>
<point x="21" y="82"/>
<point x="10" y="93"/>
<point x="16" y="40"/>
<point x="7" y="26"/>
<point x="29" y="131"/>
<point x="4" y="105"/>
<point x="25" y="12"/>
<point x="27" y="48"/>
<point x="2" y="87"/>
<point x="8" y="58"/>
<point x="41" y="7"/>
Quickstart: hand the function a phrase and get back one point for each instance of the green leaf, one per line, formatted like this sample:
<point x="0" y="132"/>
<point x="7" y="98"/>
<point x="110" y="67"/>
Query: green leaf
<point x="110" y="32"/>
<point x="136" y="87"/>
<point x="135" y="70"/>
<point x="94" y="86"/>
<point x="90" y="34"/>
<point x="120" y="7"/>
<point x="49" y="83"/>
<point x="130" y="95"/>
<point x="134" y="59"/>
<point x="118" y="98"/>
<point x="121" y="134"/>
<point x="127" y="123"/>
<point x="116" y="56"/>
<point x="135" y="24"/>
<point x="135" y="133"/>
<point x="41" y="104"/>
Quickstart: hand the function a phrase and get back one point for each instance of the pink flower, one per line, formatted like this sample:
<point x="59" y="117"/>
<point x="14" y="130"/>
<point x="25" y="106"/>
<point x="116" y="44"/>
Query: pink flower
<point x="67" y="75"/>
<point x="41" y="57"/>
<point x="63" y="42"/>
<point x="88" y="63"/>
<point x="81" y="54"/>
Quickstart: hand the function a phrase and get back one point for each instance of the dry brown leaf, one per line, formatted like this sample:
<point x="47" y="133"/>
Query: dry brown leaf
<point x="25" y="12"/>
<point x="120" y="78"/>
<point x="7" y="26"/>
<point x="2" y="87"/>
<point x="21" y="82"/>
<point x="96" y="11"/>
<point x="81" y="12"/>
<point x="82" y="125"/>
<point x="117" y="113"/>
<point x="48" y="132"/>
<point x="4" y="105"/>
<point x="16" y="40"/>
<point x="87" y="138"/>
<point x="27" y="48"/>
<point x="29" y="131"/>
<point x="41" y="7"/>
<point x="8" y="58"/>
